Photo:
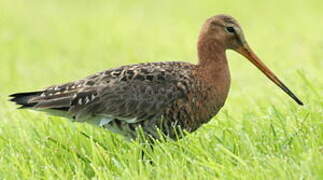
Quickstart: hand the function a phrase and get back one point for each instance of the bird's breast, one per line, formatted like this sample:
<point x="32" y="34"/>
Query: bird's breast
<point x="203" y="101"/>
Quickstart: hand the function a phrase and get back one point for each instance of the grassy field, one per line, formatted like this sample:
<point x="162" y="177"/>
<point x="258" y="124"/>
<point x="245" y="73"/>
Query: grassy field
<point x="260" y="134"/>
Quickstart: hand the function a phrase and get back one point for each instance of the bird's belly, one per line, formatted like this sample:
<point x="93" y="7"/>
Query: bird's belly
<point x="120" y="127"/>
<point x="181" y="116"/>
<point x="150" y="128"/>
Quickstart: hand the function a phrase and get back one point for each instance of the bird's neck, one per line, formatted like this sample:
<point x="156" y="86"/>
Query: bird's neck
<point x="212" y="57"/>
<point x="210" y="52"/>
<point x="213" y="67"/>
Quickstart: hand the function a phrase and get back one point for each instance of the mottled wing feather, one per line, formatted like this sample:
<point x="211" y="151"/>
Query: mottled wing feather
<point x="133" y="93"/>
<point x="130" y="93"/>
<point x="133" y="102"/>
<point x="57" y="96"/>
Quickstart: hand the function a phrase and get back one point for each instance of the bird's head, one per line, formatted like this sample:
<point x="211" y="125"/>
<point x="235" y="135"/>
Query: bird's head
<point x="225" y="31"/>
<point x="222" y="32"/>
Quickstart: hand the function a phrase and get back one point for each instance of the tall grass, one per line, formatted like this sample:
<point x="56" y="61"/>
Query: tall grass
<point x="260" y="134"/>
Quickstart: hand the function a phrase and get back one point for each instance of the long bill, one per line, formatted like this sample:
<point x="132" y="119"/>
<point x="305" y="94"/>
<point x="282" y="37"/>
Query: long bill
<point x="251" y="56"/>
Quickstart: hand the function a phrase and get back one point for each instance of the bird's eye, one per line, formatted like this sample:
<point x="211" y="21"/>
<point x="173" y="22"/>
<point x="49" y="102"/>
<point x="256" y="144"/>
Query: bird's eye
<point x="230" y="29"/>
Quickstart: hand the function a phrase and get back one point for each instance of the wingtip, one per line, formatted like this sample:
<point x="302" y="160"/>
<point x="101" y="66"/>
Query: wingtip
<point x="23" y="94"/>
<point x="23" y="99"/>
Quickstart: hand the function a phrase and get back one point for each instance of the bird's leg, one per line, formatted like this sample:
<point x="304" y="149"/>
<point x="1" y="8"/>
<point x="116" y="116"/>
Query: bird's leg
<point x="143" y="154"/>
<point x="146" y="143"/>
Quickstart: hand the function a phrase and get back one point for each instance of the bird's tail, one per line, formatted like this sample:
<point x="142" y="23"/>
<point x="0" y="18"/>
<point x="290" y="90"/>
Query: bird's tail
<point x="36" y="100"/>
<point x="24" y="99"/>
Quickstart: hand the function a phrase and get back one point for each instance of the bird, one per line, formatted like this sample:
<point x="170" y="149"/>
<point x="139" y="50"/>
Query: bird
<point x="156" y="98"/>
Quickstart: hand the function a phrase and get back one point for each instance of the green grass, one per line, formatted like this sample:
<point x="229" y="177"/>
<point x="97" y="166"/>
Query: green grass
<point x="259" y="134"/>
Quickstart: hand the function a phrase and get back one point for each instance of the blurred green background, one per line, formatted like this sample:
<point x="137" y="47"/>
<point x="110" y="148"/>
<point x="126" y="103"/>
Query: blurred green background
<point x="45" y="42"/>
